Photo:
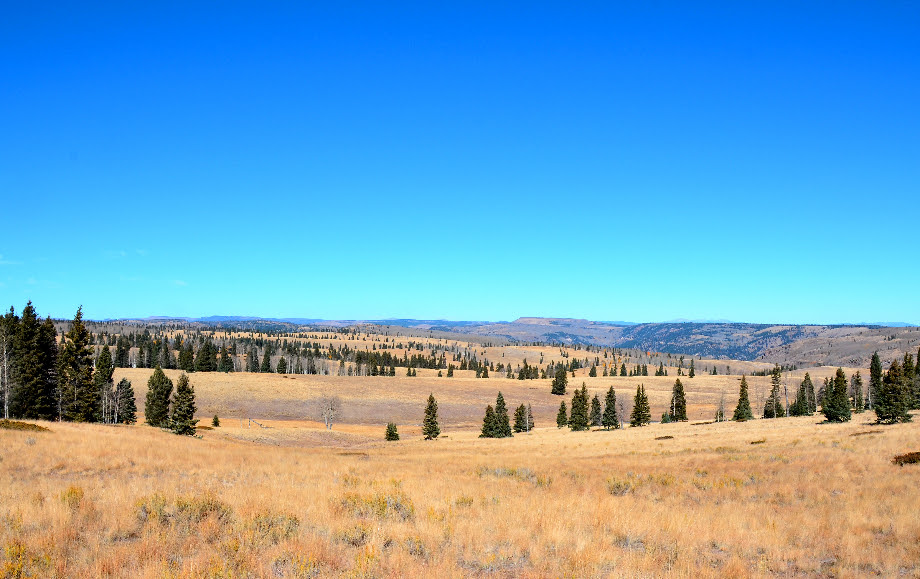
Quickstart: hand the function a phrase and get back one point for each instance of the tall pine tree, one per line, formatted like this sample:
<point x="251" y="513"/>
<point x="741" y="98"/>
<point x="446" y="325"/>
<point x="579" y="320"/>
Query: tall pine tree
<point x="430" y="427"/>
<point x="595" y="417"/>
<point x="502" y="424"/>
<point x="105" y="387"/>
<point x="610" y="419"/>
<point x="875" y="379"/>
<point x="489" y="427"/>
<point x="76" y="373"/>
<point x="562" y="417"/>
<point x="678" y="410"/>
<point x="125" y="405"/>
<point x="641" y="413"/>
<point x="159" y="391"/>
<point x="182" y="420"/>
<point x="578" y="419"/>
<point x="743" y="409"/>
<point x="837" y="405"/>
<point x="893" y="397"/>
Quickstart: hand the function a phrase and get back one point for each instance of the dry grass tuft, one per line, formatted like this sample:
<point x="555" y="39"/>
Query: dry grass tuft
<point x="25" y="426"/>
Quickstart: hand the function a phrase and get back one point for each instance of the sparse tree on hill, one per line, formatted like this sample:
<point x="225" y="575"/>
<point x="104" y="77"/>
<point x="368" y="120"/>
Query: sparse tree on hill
<point x="610" y="419"/>
<point x="837" y="405"/>
<point x="641" y="413"/>
<point x="678" y="402"/>
<point x="520" y="419"/>
<point x="802" y="404"/>
<point x="893" y="398"/>
<point x="430" y="428"/>
<point x="183" y="420"/>
<point x="125" y="405"/>
<point x="560" y="380"/>
<point x="562" y="417"/>
<point x="502" y="423"/>
<point x="692" y="371"/>
<point x="215" y="422"/>
<point x="773" y="407"/>
<point x="578" y="419"/>
<point x="489" y="426"/>
<point x="159" y="391"/>
<point x="856" y="387"/>
<point x="743" y="409"/>
<point x="530" y="423"/>
<point x="391" y="434"/>
<point x="595" y="416"/>
<point x="875" y="379"/>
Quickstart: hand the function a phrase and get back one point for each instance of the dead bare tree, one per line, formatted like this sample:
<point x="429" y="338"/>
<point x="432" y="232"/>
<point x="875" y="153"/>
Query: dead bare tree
<point x="330" y="407"/>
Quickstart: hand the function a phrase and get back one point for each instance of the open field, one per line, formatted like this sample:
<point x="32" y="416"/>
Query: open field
<point x="789" y="497"/>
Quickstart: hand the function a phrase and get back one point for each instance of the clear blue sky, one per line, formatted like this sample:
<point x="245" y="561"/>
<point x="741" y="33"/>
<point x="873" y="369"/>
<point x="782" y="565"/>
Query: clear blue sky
<point x="358" y="161"/>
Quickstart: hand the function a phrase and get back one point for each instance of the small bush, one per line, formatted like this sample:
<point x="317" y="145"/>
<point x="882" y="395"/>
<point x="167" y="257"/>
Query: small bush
<point x="72" y="497"/>
<point x="909" y="458"/>
<point x="215" y="422"/>
<point x="761" y="441"/>
<point x="665" y="437"/>
<point x="17" y="425"/>
<point x="394" y="504"/>
<point x="274" y="527"/>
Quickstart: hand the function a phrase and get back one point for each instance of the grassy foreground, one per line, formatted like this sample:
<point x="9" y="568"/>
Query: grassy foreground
<point x="787" y="497"/>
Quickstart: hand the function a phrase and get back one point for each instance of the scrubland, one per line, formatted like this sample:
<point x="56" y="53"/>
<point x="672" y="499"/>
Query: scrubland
<point x="787" y="497"/>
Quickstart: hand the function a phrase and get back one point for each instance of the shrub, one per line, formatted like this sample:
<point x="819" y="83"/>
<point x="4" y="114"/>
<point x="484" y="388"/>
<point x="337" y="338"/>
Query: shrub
<point x="909" y="458"/>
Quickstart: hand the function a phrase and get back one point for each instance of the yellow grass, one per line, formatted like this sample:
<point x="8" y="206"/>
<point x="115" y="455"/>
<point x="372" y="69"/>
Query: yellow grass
<point x="292" y="500"/>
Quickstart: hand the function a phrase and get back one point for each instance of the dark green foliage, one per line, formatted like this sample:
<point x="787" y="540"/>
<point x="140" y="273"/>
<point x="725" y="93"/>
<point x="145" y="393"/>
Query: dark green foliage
<point x="623" y="369"/>
<point x="187" y="358"/>
<point x="774" y="406"/>
<point x="206" y="359"/>
<point x="837" y="406"/>
<point x="215" y="422"/>
<point x="594" y="419"/>
<point x="562" y="417"/>
<point x="502" y="424"/>
<point x="79" y="399"/>
<point x="391" y="434"/>
<point x="642" y="412"/>
<point x="593" y="371"/>
<point x="893" y="398"/>
<point x="856" y="390"/>
<point x="252" y="361"/>
<point x="282" y="366"/>
<point x="692" y="371"/>
<point x="226" y="362"/>
<point x="430" y="428"/>
<point x="266" y="366"/>
<point x="523" y="419"/>
<point x="489" y="426"/>
<point x="105" y="387"/>
<point x="804" y="398"/>
<point x="610" y="419"/>
<point x="875" y="379"/>
<point x="743" y="409"/>
<point x="31" y="371"/>
<point x="122" y="352"/>
<point x="678" y="409"/>
<point x="560" y="380"/>
<point x="182" y="421"/>
<point x="578" y="419"/>
<point x="450" y="370"/>
<point x="125" y="406"/>
<point x="159" y="391"/>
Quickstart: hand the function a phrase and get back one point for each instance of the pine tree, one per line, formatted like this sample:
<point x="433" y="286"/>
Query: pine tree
<point x="774" y="407"/>
<point x="856" y="386"/>
<point x="559" y="381"/>
<point x="692" y="371"/>
<point x="678" y="402"/>
<point x="530" y="423"/>
<point x="266" y="366"/>
<point x="837" y="408"/>
<point x="182" y="421"/>
<point x="610" y="419"/>
<point x="562" y="417"/>
<point x="743" y="410"/>
<point x="215" y="422"/>
<point x="159" y="391"/>
<point x="9" y="327"/>
<point x="125" y="406"/>
<point x="252" y="361"/>
<point x="520" y="419"/>
<point x="430" y="428"/>
<point x="915" y="387"/>
<point x="282" y="365"/>
<point x="76" y="373"/>
<point x="187" y="358"/>
<point x="875" y="379"/>
<point x="641" y="413"/>
<point x="226" y="362"/>
<point x="489" y="425"/>
<point x="105" y="386"/>
<point x="893" y="397"/>
<point x="502" y="424"/>
<point x="593" y="371"/>
<point x="578" y="419"/>
<point x="595" y="416"/>
<point x="31" y="365"/>
<point x="391" y="434"/>
<point x="802" y="404"/>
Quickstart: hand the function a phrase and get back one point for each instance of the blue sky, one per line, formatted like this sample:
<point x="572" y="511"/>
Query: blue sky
<point x="756" y="163"/>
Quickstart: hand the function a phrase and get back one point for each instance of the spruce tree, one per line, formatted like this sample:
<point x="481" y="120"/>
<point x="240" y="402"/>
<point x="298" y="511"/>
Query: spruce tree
<point x="489" y="425"/>
<point x="641" y="412"/>
<point x="105" y="387"/>
<point x="810" y="397"/>
<point x="875" y="379"/>
<point x="266" y="366"/>
<point x="226" y="362"/>
<point x="502" y="424"/>
<point x="595" y="417"/>
<point x="692" y="371"/>
<point x="76" y="373"/>
<point x="391" y="434"/>
<point x="520" y="419"/>
<point x="774" y="406"/>
<point x="893" y="397"/>
<point x="282" y="365"/>
<point x="801" y="405"/>
<point x="530" y="423"/>
<point x="856" y="386"/>
<point x="159" y="391"/>
<point x="837" y="408"/>
<point x="252" y="361"/>
<point x="623" y="369"/>
<point x="915" y="387"/>
<point x="562" y="417"/>
<point x="578" y="419"/>
<point x="743" y="409"/>
<point x="9" y="327"/>
<point x="430" y="428"/>
<point x="125" y="406"/>
<point x="31" y="371"/>
<point x="187" y="358"/>
<point x="610" y="419"/>
<point x="182" y="421"/>
<point x="560" y="380"/>
<point x="678" y="410"/>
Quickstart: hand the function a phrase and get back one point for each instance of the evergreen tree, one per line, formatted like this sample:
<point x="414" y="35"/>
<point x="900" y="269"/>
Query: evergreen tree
<point x="593" y="371"/>
<point x="802" y="404"/>
<point x="502" y="424"/>
<point x="774" y="407"/>
<point x="559" y="381"/>
<point x="520" y="419"/>
<point x="692" y="371"/>
<point x="837" y="408"/>
<point x="159" y="391"/>
<point x="743" y="410"/>
<point x="282" y="365"/>
<point x="641" y="413"/>
<point x="623" y="369"/>
<point x="430" y="428"/>
<point x="578" y="419"/>
<point x="9" y="327"/>
<point x="678" y="402"/>
<point x="810" y="396"/>
<point x="266" y="367"/>
<point x="915" y="387"/>
<point x="183" y="420"/>
<point x="489" y="424"/>
<point x="595" y="417"/>
<point x="187" y="358"/>
<point x="226" y="362"/>
<point x="530" y="423"/>
<point x="610" y="419"/>
<point x="720" y="410"/>
<point x="562" y="417"/>
<point x="206" y="361"/>
<point x="76" y="373"/>
<point x="856" y="386"/>
<point x="875" y="379"/>
<point x="391" y="433"/>
<point x="31" y="365"/>
<point x="105" y="386"/>
<point x="252" y="361"/>
<point x="125" y="406"/>
<point x="122" y="352"/>
<point x="215" y="422"/>
<point x="892" y="399"/>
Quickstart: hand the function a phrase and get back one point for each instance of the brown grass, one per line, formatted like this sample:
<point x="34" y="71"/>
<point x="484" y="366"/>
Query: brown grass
<point x="26" y="426"/>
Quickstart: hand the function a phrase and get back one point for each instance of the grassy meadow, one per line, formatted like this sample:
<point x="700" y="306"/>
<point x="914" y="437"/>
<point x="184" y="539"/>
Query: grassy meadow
<point x="283" y="497"/>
